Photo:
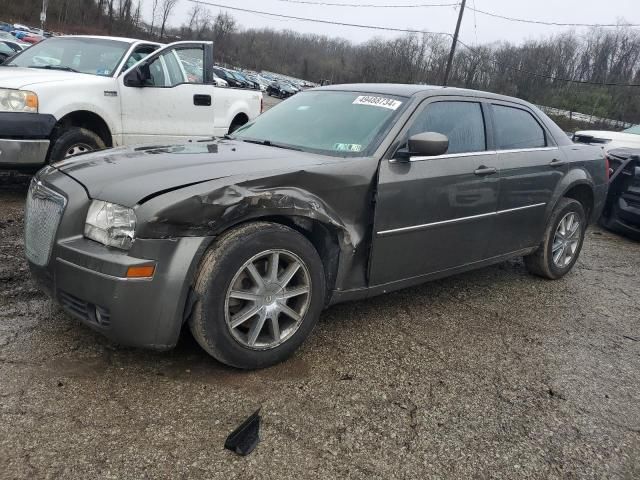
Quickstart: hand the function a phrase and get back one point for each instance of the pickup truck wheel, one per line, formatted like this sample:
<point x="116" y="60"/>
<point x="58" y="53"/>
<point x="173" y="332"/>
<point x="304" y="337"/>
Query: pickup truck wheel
<point x="260" y="290"/>
<point x="561" y="243"/>
<point x="74" y="141"/>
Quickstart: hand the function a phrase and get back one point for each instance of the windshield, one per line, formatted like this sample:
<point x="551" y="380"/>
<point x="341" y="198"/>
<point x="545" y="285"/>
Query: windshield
<point x="635" y="129"/>
<point x="96" y="56"/>
<point x="336" y="123"/>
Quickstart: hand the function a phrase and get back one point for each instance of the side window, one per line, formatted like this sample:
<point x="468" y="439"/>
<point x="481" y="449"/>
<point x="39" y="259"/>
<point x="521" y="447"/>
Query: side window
<point x="158" y="77"/>
<point x="192" y="60"/>
<point x="138" y="54"/>
<point x="516" y="128"/>
<point x="173" y="68"/>
<point x="461" y="122"/>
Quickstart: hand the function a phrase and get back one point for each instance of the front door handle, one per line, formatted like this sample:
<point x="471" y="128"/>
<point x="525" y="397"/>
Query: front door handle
<point x="202" y="100"/>
<point x="556" y="163"/>
<point x="482" y="170"/>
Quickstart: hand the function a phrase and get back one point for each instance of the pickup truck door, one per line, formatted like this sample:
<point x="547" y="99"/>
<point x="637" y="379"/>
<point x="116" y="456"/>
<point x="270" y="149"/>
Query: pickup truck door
<point x="532" y="166"/>
<point x="172" y="99"/>
<point x="436" y="213"/>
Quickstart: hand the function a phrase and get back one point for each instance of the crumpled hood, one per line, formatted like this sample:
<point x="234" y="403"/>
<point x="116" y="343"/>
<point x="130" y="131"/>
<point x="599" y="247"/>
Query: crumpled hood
<point x="129" y="175"/>
<point x="18" y="77"/>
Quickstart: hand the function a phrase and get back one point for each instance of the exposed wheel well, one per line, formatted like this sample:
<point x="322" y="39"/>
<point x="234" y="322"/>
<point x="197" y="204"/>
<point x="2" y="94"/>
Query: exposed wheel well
<point x="322" y="237"/>
<point x="584" y="195"/>
<point x="239" y="120"/>
<point x="88" y="120"/>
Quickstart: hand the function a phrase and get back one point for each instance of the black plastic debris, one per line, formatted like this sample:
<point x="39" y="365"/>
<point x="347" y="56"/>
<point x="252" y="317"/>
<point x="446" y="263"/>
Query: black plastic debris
<point x="244" y="439"/>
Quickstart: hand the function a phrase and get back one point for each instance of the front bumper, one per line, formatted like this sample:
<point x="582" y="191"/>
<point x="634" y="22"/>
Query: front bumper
<point x="89" y="280"/>
<point x="24" y="138"/>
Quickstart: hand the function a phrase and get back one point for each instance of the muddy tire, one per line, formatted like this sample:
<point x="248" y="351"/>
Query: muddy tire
<point x="260" y="290"/>
<point x="74" y="141"/>
<point x="561" y="243"/>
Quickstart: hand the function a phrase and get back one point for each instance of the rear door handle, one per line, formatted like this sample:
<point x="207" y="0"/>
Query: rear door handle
<point x="482" y="170"/>
<point x="556" y="163"/>
<point x="202" y="100"/>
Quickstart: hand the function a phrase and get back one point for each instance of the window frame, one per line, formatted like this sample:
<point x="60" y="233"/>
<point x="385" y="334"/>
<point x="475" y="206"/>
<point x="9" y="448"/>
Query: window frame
<point x="402" y="136"/>
<point x="550" y="143"/>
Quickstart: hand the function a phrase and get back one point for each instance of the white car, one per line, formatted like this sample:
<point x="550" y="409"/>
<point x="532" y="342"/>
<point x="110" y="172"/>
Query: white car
<point x="220" y="82"/>
<point x="73" y="94"/>
<point x="629" y="138"/>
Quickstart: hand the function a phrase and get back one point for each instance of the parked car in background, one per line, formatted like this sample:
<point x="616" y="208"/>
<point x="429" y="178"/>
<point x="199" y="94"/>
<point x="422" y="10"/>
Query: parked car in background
<point x="226" y="76"/>
<point x="8" y="50"/>
<point x="629" y="138"/>
<point x="73" y="94"/>
<point x="219" y="81"/>
<point x="280" y="90"/>
<point x="31" y="38"/>
<point x="337" y="194"/>
<point x="622" y="210"/>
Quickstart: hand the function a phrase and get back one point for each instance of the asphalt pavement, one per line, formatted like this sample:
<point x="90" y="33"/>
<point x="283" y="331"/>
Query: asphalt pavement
<point x="488" y="374"/>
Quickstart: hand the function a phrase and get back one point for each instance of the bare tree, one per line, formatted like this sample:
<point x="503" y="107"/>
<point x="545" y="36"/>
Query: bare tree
<point x="167" y="8"/>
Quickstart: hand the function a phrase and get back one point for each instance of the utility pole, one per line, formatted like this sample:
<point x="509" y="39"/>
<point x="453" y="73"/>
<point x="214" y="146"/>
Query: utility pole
<point x="454" y="43"/>
<point x="43" y="14"/>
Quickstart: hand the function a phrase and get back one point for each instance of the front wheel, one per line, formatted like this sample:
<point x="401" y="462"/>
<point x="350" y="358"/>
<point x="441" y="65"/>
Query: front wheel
<point x="74" y="141"/>
<point x="562" y="241"/>
<point x="260" y="290"/>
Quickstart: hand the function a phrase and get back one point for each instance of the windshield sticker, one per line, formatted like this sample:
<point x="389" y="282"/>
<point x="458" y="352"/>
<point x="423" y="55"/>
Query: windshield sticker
<point x="382" y="102"/>
<point x="348" y="147"/>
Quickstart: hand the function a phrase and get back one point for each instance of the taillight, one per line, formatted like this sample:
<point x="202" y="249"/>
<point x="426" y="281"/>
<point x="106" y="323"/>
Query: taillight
<point x="607" y="166"/>
<point x="261" y="104"/>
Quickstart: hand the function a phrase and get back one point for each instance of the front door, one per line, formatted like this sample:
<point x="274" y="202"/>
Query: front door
<point x="176" y="103"/>
<point x="437" y="213"/>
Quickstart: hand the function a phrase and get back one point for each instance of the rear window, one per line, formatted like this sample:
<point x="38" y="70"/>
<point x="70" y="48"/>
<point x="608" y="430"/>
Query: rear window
<point x="516" y="128"/>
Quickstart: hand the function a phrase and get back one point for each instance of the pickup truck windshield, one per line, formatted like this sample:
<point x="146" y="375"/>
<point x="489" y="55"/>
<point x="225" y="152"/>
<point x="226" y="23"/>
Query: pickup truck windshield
<point x="330" y="122"/>
<point x="96" y="56"/>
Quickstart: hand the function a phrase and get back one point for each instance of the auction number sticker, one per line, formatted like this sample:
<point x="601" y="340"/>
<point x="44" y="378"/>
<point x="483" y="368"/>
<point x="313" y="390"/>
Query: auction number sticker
<point x="382" y="102"/>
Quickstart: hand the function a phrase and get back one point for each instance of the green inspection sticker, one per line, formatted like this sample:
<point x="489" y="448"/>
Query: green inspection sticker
<point x="348" y="147"/>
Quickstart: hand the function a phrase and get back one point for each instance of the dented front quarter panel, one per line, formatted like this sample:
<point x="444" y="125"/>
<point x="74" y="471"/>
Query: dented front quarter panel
<point x="338" y="194"/>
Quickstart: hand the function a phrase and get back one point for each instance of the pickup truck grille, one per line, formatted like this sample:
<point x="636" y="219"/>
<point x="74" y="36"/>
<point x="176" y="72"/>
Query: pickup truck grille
<point x="43" y="211"/>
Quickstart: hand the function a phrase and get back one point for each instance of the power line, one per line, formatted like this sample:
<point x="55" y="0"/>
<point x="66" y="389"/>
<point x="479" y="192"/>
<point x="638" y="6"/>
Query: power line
<point x="555" y="24"/>
<point x="370" y="5"/>
<point x="482" y="12"/>
<point x="402" y="30"/>
<point x="315" y="20"/>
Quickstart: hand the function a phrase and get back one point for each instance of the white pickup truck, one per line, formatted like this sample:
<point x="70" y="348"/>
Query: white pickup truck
<point x="69" y="95"/>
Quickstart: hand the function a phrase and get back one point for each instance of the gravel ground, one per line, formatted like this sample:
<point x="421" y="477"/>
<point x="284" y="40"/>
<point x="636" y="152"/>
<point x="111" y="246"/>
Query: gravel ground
<point x="489" y="374"/>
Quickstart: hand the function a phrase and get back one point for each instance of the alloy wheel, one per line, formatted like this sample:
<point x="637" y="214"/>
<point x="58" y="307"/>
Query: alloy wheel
<point x="566" y="240"/>
<point x="268" y="299"/>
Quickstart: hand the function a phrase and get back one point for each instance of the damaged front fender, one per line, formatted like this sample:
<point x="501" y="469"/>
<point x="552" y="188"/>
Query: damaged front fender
<point x="338" y="198"/>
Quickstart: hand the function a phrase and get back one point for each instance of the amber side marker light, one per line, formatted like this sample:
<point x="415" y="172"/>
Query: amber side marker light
<point x="141" y="272"/>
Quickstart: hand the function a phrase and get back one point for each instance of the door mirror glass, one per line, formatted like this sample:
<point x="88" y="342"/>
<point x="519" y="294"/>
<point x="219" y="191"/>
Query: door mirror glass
<point x="138" y="77"/>
<point x="428" y="144"/>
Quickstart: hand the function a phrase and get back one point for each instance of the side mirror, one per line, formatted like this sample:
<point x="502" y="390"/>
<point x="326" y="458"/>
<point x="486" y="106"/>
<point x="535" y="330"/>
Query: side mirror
<point x="138" y="77"/>
<point x="428" y="144"/>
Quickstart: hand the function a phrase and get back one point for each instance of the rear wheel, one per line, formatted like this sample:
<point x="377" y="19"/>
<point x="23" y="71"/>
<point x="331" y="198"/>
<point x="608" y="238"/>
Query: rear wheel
<point x="261" y="290"/>
<point x="562" y="241"/>
<point x="74" y="141"/>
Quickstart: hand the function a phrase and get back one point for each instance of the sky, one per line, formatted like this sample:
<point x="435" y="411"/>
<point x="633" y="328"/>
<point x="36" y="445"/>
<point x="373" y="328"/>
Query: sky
<point x="476" y="28"/>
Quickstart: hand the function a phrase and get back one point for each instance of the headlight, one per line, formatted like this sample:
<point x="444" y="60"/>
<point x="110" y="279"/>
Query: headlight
<point x="18" y="101"/>
<point x="110" y="224"/>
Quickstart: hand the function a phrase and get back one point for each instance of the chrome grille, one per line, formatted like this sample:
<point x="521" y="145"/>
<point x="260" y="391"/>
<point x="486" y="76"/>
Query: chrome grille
<point x="42" y="215"/>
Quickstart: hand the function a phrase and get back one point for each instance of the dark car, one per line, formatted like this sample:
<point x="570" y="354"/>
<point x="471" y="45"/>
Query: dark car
<point x="340" y="193"/>
<point x="622" y="210"/>
<point x="230" y="79"/>
<point x="280" y="90"/>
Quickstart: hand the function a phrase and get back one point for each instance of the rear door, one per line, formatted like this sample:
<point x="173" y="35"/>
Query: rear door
<point x="436" y="213"/>
<point x="177" y="103"/>
<point x="532" y="166"/>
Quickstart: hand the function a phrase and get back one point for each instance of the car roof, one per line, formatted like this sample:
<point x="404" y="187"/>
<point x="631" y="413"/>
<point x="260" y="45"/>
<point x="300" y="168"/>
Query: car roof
<point x="121" y="39"/>
<point x="409" y="90"/>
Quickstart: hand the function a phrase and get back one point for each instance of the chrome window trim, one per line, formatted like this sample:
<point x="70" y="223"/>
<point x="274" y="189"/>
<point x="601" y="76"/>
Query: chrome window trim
<point x="446" y="155"/>
<point x="533" y="149"/>
<point x="455" y="220"/>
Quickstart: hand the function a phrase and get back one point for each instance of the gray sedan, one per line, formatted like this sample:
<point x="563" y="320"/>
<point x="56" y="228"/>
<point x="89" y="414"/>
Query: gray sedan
<point x="339" y="193"/>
